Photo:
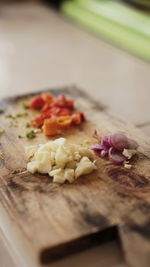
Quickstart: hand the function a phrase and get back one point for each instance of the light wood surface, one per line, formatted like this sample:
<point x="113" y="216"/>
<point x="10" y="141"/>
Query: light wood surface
<point x="39" y="49"/>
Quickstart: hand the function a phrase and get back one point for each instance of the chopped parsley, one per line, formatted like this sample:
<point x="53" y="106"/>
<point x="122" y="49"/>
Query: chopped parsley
<point x="20" y="115"/>
<point x="25" y="105"/>
<point x="1" y="111"/>
<point x="20" y="136"/>
<point x="27" y="125"/>
<point x="1" y="131"/>
<point x="10" y="116"/>
<point x="1" y="156"/>
<point x="30" y="134"/>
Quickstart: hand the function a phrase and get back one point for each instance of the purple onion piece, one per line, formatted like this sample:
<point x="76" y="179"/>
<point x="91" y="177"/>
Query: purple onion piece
<point x="132" y="144"/>
<point x="97" y="147"/>
<point x="109" y="141"/>
<point x="119" y="141"/>
<point x="103" y="153"/>
<point x="116" y="156"/>
<point x="112" y="145"/>
<point x="105" y="142"/>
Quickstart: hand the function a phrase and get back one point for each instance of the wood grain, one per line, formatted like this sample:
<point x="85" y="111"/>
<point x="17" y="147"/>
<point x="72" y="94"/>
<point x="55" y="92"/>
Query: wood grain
<point x="56" y="220"/>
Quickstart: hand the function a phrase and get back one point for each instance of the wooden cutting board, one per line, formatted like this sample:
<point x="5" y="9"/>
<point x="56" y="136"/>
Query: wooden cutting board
<point x="56" y="220"/>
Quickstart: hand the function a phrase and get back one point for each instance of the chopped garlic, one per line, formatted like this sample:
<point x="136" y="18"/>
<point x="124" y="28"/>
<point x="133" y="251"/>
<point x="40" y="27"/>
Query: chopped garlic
<point x="129" y="153"/>
<point x="85" y="152"/>
<point x="42" y="156"/>
<point x="54" y="172"/>
<point x="62" y="157"/>
<point x="61" y="160"/>
<point x="58" y="177"/>
<point x="33" y="166"/>
<point x="44" y="168"/>
<point x="52" y="158"/>
<point x="62" y="175"/>
<point x="77" y="156"/>
<point x="69" y="175"/>
<point x="72" y="164"/>
<point x="45" y="147"/>
<point x="127" y="166"/>
<point x="58" y="143"/>
<point x="85" y="166"/>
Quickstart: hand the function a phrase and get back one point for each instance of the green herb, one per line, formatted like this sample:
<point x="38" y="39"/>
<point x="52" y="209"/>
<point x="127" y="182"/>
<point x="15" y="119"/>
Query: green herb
<point x="25" y="105"/>
<point x="20" y="136"/>
<point x="30" y="134"/>
<point x="27" y="125"/>
<point x="1" y="131"/>
<point x="9" y="116"/>
<point x="1" y="156"/>
<point x="20" y="115"/>
<point x="1" y="111"/>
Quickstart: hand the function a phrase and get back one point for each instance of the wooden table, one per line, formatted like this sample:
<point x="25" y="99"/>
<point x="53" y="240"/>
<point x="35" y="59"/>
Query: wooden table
<point x="40" y="49"/>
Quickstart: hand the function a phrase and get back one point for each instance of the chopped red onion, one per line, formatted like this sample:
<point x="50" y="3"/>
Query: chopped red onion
<point x="113" y="146"/>
<point x="105" y="142"/>
<point x="103" y="153"/>
<point x="119" y="141"/>
<point x="132" y="144"/>
<point x="116" y="156"/>
<point x="108" y="138"/>
<point x="97" y="147"/>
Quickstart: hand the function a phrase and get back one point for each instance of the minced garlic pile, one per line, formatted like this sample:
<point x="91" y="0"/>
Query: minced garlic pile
<point x="61" y="160"/>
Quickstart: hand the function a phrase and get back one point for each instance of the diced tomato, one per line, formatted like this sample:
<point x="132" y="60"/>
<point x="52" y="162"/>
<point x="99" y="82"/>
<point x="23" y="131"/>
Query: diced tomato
<point x="37" y="102"/>
<point x="55" y="111"/>
<point x="48" y="98"/>
<point x="46" y="114"/>
<point x="77" y="118"/>
<point x="64" y="112"/>
<point x="45" y="107"/>
<point x="81" y="115"/>
<point x="55" y="114"/>
<point x="37" y="122"/>
<point x="61" y="101"/>
<point x="69" y="104"/>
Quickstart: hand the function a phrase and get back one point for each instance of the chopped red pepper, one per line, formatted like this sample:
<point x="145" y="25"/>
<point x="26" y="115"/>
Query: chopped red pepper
<point x="62" y="101"/>
<point x="64" y="121"/>
<point x="46" y="114"/>
<point x="81" y="115"/>
<point x="55" y="111"/>
<point x="64" y="112"/>
<point x="52" y="109"/>
<point x="51" y="127"/>
<point x="48" y="98"/>
<point x="37" y="122"/>
<point x="69" y="104"/>
<point x="45" y="107"/>
<point x="37" y="102"/>
<point x="77" y="118"/>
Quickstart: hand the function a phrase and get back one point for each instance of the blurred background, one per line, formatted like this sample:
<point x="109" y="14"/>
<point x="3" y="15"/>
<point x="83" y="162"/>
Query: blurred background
<point x="102" y="46"/>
